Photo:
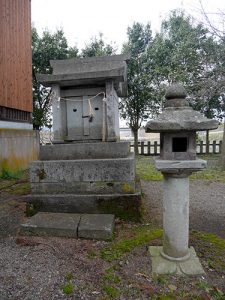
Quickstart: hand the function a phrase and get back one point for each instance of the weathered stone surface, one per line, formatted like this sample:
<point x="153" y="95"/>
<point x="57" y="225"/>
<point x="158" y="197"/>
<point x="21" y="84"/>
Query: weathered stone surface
<point x="192" y="266"/>
<point x="175" y="216"/>
<point x="87" y="64"/>
<point x="180" y="119"/>
<point x="52" y="224"/>
<point x="168" y="140"/>
<point x="84" y="151"/>
<point x="80" y="187"/>
<point x="89" y="226"/>
<point x="160" y="265"/>
<point x="178" y="166"/>
<point x="178" y="116"/>
<point x="125" y="206"/>
<point x="95" y="226"/>
<point x="175" y="91"/>
<point x="86" y="71"/>
<point x="120" y="169"/>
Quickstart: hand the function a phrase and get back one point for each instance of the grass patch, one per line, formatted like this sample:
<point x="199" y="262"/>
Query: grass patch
<point x="6" y="174"/>
<point x="68" y="288"/>
<point x="16" y="185"/>
<point x="18" y="189"/>
<point x="146" y="170"/>
<point x="212" y="248"/>
<point x="69" y="276"/>
<point x="111" y="291"/>
<point x="111" y="277"/>
<point x="117" y="249"/>
<point x="211" y="173"/>
<point x="91" y="254"/>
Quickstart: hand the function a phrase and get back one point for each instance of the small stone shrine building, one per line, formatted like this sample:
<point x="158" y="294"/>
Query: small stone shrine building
<point x="86" y="169"/>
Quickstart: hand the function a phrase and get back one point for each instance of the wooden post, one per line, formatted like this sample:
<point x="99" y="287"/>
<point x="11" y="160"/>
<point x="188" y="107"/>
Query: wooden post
<point x="142" y="148"/>
<point x="207" y="142"/>
<point x="220" y="146"/>
<point x="201" y="148"/>
<point x="155" y="148"/>
<point x="149" y="148"/>
<point x="214" y="147"/>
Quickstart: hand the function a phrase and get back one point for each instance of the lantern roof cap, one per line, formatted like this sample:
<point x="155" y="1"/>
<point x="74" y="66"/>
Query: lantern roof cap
<point x="178" y="115"/>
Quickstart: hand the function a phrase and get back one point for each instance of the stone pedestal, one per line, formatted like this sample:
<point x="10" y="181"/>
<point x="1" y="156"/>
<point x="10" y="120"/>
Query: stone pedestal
<point x="88" y="177"/>
<point x="175" y="257"/>
<point x="175" y="217"/>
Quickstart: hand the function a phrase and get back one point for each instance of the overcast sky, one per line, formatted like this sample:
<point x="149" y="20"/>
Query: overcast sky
<point x="83" y="19"/>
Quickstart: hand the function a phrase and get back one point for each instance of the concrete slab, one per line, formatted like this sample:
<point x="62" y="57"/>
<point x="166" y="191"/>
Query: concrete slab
<point x="160" y="265"/>
<point x="51" y="224"/>
<point x="96" y="226"/>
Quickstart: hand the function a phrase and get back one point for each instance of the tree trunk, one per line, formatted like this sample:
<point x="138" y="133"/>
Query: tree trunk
<point x="207" y="141"/>
<point x="36" y="127"/>
<point x="222" y="155"/>
<point x="135" y="133"/>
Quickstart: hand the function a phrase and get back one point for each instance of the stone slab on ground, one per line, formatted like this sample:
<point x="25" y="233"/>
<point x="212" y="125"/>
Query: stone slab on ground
<point x="52" y="224"/>
<point x="89" y="226"/>
<point x="96" y="226"/>
<point x="160" y="265"/>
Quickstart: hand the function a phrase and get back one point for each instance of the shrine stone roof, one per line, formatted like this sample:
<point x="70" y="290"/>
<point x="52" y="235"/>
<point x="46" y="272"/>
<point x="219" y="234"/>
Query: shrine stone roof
<point x="88" y="71"/>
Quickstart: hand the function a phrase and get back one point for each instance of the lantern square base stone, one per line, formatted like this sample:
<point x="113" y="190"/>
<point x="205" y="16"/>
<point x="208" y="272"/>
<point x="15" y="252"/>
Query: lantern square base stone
<point x="160" y="265"/>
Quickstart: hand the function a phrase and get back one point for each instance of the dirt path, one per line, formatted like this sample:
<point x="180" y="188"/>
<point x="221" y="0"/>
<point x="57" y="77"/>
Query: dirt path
<point x="207" y="205"/>
<point x="40" y="268"/>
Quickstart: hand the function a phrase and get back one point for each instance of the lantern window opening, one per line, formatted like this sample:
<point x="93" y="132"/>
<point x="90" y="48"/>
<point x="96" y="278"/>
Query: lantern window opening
<point x="179" y="144"/>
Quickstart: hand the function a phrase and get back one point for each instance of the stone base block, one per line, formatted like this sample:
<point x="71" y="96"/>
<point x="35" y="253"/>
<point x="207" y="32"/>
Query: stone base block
<point x="124" y="206"/>
<point x="84" y="150"/>
<point x="83" y="170"/>
<point x="84" y="187"/>
<point x="160" y="265"/>
<point x="51" y="224"/>
<point x="176" y="166"/>
<point x="88" y="226"/>
<point x="97" y="227"/>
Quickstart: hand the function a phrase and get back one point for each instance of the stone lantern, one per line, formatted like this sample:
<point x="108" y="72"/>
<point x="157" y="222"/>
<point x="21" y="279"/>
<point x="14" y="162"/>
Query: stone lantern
<point x="177" y="125"/>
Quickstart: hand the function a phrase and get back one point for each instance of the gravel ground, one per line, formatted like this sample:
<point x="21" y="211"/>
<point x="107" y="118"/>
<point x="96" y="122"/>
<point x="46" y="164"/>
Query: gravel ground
<point x="207" y="205"/>
<point x="37" y="268"/>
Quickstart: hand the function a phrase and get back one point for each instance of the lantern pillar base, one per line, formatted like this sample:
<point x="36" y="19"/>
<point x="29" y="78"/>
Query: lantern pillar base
<point x="161" y="265"/>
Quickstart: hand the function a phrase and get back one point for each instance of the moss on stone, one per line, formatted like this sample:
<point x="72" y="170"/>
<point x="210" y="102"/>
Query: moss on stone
<point x="123" y="208"/>
<point x="142" y="235"/>
<point x="127" y="188"/>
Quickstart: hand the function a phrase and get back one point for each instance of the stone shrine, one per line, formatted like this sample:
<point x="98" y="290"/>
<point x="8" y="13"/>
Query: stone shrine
<point x="177" y="125"/>
<point x="86" y="169"/>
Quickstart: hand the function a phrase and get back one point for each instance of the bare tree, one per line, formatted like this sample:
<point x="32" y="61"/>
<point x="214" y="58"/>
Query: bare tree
<point x="218" y="33"/>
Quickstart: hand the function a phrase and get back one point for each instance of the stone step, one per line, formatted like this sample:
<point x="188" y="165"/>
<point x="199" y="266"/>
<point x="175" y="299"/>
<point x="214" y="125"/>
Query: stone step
<point x="85" y="151"/>
<point x="113" y="169"/>
<point x="125" y="206"/>
<point x="84" y="187"/>
<point x="88" y="226"/>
